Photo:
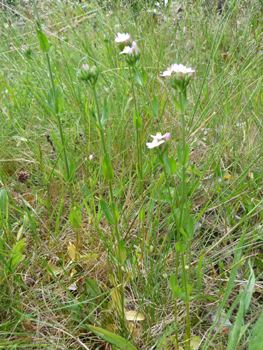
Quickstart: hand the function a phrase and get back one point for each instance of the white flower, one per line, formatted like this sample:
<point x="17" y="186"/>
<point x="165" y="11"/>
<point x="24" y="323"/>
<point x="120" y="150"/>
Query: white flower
<point x="90" y="157"/>
<point x="154" y="143"/>
<point x="158" y="136"/>
<point x="157" y="140"/>
<point x="121" y="38"/>
<point x="177" y="68"/>
<point x="129" y="50"/>
<point x="180" y="68"/>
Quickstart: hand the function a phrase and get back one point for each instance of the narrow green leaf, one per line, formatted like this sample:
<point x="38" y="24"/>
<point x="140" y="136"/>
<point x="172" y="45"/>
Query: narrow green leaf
<point x="105" y="114"/>
<point x="3" y="201"/>
<point x="186" y="154"/>
<point x="137" y="78"/>
<point x="142" y="214"/>
<point x="112" y="338"/>
<point x="71" y="174"/>
<point x="256" y="340"/>
<point x="19" y="247"/>
<point x="75" y="216"/>
<point x="190" y="227"/>
<point x="138" y="172"/>
<point x="179" y="154"/>
<point x="144" y="76"/>
<point x="124" y="73"/>
<point x="155" y="106"/>
<point x="173" y="166"/>
<point x="137" y="120"/>
<point x="121" y="252"/>
<point x="115" y="212"/>
<point x="107" y="212"/>
<point x="177" y="105"/>
<point x="43" y="42"/>
<point x="167" y="165"/>
<point x="58" y="99"/>
<point x="107" y="168"/>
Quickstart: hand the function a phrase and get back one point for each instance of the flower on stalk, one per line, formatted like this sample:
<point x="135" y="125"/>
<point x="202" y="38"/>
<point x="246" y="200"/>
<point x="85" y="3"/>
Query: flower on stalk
<point x="88" y="75"/>
<point x="132" y="54"/>
<point x="122" y="38"/>
<point x="179" y="76"/>
<point x="158" y="140"/>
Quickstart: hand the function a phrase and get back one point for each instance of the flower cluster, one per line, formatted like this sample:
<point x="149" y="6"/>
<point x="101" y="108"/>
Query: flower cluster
<point x="88" y="74"/>
<point x="132" y="52"/>
<point x="158" y="139"/>
<point x="179" y="76"/>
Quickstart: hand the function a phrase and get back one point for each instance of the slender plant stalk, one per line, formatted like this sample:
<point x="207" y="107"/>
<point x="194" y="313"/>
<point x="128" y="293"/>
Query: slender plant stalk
<point x="60" y="127"/>
<point x="99" y="121"/>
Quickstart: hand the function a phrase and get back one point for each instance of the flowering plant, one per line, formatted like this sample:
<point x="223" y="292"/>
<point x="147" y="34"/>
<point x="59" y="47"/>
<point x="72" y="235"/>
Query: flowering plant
<point x="158" y="140"/>
<point x="179" y="76"/>
<point x="123" y="40"/>
<point x="132" y="54"/>
<point x="88" y="74"/>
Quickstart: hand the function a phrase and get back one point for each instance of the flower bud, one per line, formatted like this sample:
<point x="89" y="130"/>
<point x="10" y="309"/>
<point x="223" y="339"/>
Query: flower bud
<point x="88" y="75"/>
<point x="168" y="136"/>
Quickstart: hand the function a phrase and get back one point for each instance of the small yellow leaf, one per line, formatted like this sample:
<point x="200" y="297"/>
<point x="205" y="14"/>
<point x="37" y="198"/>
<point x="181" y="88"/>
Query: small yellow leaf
<point x="195" y="342"/>
<point x="55" y="270"/>
<point x="134" y="316"/>
<point x="73" y="253"/>
<point x="116" y="300"/>
<point x="88" y="257"/>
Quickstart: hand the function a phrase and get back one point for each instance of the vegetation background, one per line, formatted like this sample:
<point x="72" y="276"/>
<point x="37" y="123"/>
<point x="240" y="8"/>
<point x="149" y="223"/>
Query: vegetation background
<point x="59" y="271"/>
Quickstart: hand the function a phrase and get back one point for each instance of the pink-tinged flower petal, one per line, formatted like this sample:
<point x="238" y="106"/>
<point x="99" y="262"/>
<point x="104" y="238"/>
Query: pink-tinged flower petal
<point x="85" y="66"/>
<point x="180" y="68"/>
<point x="122" y="37"/>
<point x="90" y="157"/>
<point x="134" y="46"/>
<point x="154" y="143"/>
<point x="127" y="50"/>
<point x="166" y="73"/>
<point x="130" y="50"/>
<point x="158" y="136"/>
<point x="168" y="136"/>
<point x="177" y="68"/>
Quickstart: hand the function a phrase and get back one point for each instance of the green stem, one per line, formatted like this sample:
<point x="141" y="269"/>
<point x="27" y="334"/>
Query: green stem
<point x="176" y="324"/>
<point x="60" y="126"/>
<point x="111" y="192"/>
<point x="139" y="151"/>
<point x="188" y="327"/>
<point x="143" y="240"/>
<point x="98" y="120"/>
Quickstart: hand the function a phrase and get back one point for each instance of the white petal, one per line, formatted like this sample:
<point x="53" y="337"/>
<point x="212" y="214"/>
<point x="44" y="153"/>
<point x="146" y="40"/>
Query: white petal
<point x="154" y="144"/>
<point x="127" y="50"/>
<point x="166" y="73"/>
<point x="158" y="136"/>
<point x="180" y="68"/>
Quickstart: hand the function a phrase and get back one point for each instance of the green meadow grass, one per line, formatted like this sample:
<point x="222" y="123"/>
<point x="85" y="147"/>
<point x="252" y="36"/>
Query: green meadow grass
<point x="51" y="293"/>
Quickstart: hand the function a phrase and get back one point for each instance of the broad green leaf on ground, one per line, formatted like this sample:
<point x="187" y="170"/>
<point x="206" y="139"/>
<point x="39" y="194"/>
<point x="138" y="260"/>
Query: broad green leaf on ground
<point x="112" y="338"/>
